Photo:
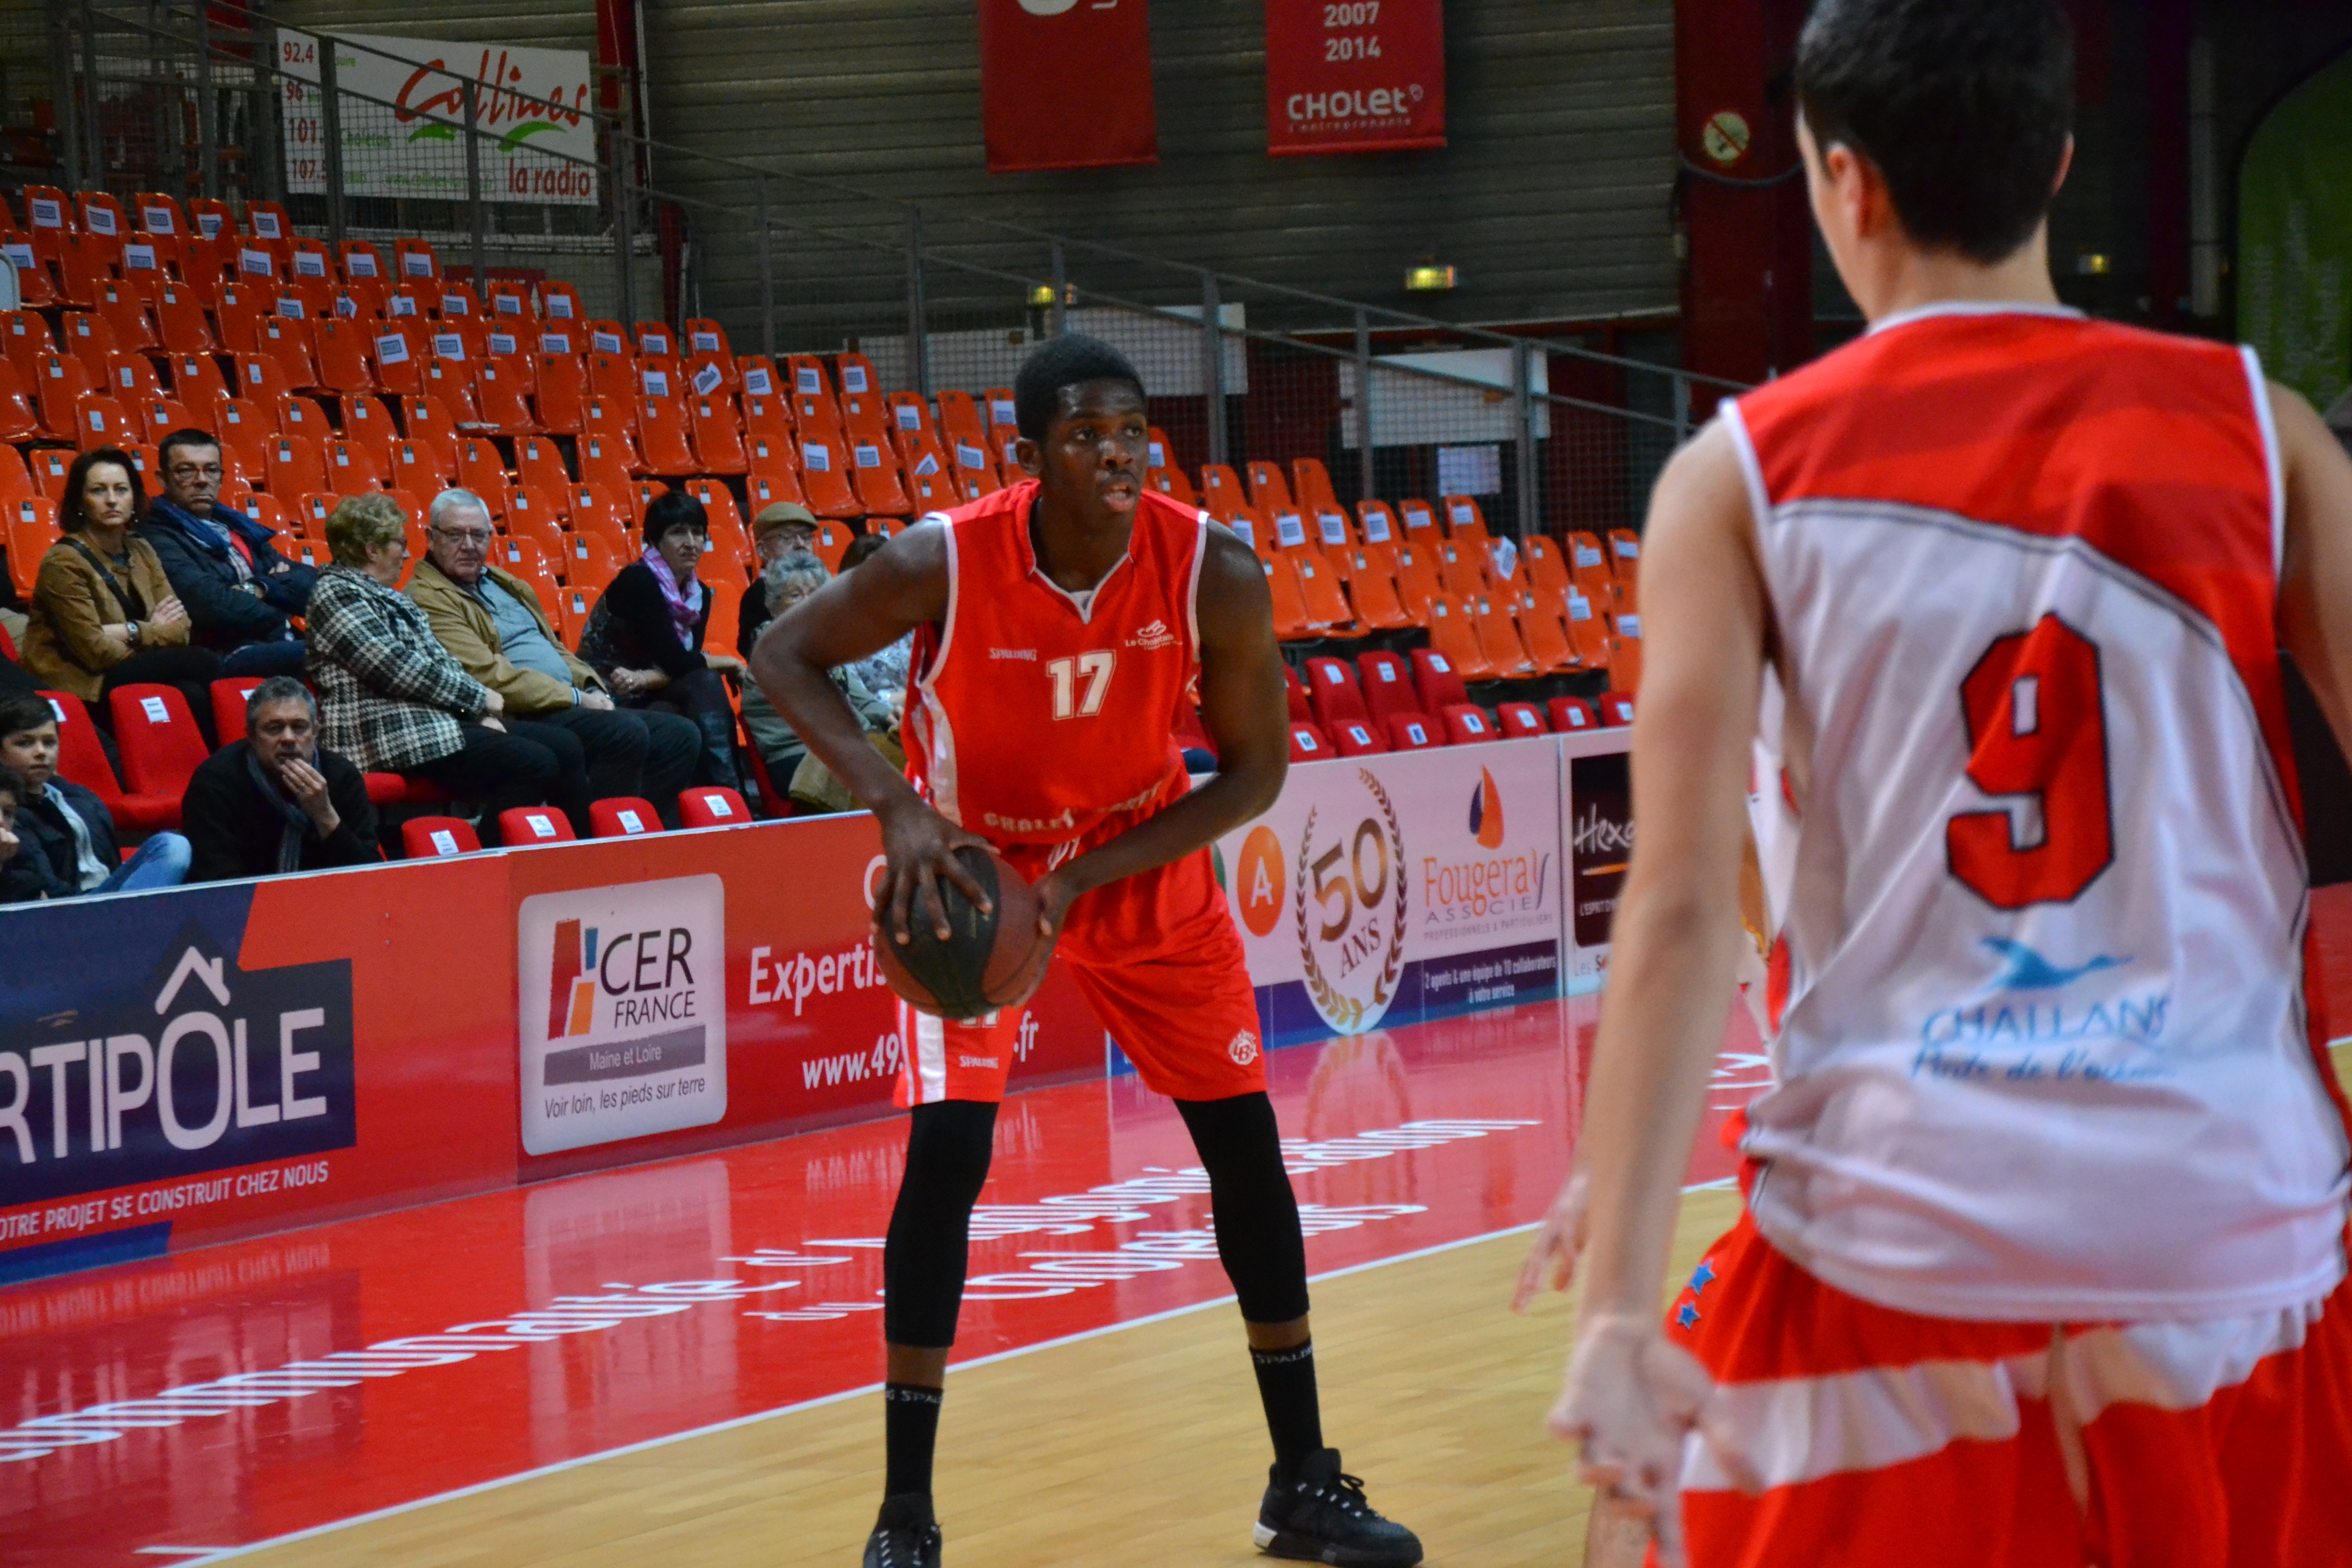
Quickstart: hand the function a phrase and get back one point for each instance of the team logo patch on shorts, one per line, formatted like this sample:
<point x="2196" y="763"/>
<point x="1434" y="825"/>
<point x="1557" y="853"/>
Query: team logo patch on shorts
<point x="1243" y="1050"/>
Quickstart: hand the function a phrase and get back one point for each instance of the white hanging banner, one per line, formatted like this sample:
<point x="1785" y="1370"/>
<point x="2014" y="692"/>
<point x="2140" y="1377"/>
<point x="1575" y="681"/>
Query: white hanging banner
<point x="404" y="117"/>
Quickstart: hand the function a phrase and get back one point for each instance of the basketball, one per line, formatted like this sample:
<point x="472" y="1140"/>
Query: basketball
<point x="988" y="961"/>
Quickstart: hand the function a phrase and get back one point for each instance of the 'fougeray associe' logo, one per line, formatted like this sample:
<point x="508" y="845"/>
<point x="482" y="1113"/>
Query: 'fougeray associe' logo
<point x="623" y="1016"/>
<point x="1351" y="907"/>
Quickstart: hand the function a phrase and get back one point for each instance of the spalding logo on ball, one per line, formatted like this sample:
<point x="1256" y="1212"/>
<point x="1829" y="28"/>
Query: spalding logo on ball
<point x="989" y="960"/>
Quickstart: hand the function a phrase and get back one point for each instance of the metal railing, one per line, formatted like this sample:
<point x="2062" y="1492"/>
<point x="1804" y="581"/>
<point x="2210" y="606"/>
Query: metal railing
<point x="1549" y="433"/>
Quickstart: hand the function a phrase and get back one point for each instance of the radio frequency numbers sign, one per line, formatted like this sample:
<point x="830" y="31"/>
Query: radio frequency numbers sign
<point x="1354" y="75"/>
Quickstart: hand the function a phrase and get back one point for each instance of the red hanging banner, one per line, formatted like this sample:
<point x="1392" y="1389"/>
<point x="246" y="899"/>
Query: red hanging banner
<point x="1354" y="75"/>
<point x="1067" y="84"/>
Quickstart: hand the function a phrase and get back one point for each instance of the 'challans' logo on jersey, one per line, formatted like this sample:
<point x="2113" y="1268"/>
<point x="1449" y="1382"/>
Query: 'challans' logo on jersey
<point x="2052" y="1036"/>
<point x="1155" y="635"/>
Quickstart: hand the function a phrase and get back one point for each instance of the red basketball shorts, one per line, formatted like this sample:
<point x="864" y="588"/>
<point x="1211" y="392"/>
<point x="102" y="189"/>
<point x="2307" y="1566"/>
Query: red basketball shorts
<point x="1886" y="1439"/>
<point x="1157" y="958"/>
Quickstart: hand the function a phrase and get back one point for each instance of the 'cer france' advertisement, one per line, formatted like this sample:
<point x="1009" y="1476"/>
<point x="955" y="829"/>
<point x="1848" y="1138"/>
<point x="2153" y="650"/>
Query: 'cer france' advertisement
<point x="623" y="1011"/>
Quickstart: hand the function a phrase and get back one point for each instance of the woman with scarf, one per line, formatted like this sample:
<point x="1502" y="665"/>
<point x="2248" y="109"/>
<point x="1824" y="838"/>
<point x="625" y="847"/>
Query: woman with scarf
<point x="644" y="636"/>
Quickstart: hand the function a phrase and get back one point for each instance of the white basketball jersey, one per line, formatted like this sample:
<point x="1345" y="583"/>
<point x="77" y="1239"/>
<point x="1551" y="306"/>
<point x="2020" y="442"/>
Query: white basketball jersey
<point x="2045" y="1052"/>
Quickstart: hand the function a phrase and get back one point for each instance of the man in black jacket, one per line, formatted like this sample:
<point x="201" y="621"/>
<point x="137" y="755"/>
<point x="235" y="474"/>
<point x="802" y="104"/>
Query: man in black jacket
<point x="275" y="801"/>
<point x="239" y="590"/>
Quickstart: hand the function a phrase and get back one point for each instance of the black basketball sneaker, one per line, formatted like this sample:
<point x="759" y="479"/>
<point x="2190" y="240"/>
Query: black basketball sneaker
<point x="906" y="1536"/>
<point x="1321" y="1517"/>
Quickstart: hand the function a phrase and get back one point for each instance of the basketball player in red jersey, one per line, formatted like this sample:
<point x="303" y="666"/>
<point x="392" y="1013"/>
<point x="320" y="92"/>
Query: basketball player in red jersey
<point x="2043" y="1253"/>
<point x="1061" y="626"/>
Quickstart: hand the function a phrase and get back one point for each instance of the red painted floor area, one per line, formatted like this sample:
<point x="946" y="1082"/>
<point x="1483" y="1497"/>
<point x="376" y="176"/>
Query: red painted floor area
<point x="285" y="1383"/>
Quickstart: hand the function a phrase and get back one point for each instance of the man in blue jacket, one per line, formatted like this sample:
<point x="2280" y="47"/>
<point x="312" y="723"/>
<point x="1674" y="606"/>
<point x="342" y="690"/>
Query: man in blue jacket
<point x="239" y="590"/>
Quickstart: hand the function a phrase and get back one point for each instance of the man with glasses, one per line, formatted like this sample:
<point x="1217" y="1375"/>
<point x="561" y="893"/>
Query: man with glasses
<point x="241" y="595"/>
<point x="492" y="623"/>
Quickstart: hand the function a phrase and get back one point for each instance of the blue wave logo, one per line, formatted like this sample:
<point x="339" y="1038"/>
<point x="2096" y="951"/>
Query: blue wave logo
<point x="2026" y="970"/>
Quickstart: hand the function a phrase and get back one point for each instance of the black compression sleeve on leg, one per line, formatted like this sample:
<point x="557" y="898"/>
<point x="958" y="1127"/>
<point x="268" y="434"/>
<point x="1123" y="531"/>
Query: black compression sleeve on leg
<point x="947" y="1146"/>
<point x="1258" y="1239"/>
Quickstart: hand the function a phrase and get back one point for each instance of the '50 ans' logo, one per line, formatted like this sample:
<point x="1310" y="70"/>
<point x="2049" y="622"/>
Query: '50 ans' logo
<point x="1351" y="945"/>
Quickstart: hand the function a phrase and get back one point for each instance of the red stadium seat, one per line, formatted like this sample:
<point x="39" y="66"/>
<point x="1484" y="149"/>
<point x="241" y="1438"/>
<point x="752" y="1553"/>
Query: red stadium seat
<point x="392" y="789"/>
<point x="427" y="838"/>
<point x="1386" y="686"/>
<point x="1520" y="719"/>
<point x="1294" y="691"/>
<point x="1358" y="738"/>
<point x="1331" y="691"/>
<point x="1309" y="744"/>
<point x="160" y="745"/>
<point x="523" y="825"/>
<point x="712" y="807"/>
<point x="1570" y="714"/>
<point x="229" y="693"/>
<point x="1617" y="709"/>
<point x="1467" y="724"/>
<point x="1437" y="680"/>
<point x="81" y="757"/>
<point x="622" y="817"/>
<point x="1412" y="732"/>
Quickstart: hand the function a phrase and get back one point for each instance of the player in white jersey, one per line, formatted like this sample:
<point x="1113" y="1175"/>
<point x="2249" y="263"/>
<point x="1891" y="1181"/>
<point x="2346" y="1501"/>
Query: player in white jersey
<point x="2042" y="1257"/>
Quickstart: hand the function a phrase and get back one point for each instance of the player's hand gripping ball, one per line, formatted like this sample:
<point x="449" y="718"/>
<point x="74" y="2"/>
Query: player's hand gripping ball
<point x="988" y="962"/>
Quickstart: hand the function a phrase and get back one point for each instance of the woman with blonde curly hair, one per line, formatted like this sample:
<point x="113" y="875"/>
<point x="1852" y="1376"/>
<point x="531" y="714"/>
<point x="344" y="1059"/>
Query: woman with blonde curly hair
<point x="393" y="701"/>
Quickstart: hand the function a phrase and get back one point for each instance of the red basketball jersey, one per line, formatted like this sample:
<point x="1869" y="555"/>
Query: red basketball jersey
<point x="1037" y="713"/>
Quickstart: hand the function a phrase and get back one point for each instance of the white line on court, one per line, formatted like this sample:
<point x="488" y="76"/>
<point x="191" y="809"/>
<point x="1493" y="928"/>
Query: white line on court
<point x="223" y="1555"/>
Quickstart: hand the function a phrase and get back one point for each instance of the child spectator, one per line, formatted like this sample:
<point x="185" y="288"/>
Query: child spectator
<point x="24" y="872"/>
<point x="67" y="826"/>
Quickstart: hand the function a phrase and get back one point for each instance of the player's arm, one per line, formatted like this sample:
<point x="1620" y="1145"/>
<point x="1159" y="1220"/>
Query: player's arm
<point x="1246" y="713"/>
<point x="903" y="586"/>
<point x="2314" y="610"/>
<point x="1630" y="1396"/>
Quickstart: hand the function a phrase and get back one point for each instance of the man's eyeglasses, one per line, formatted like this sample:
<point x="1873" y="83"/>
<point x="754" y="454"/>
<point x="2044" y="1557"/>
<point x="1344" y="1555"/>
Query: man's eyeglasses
<point x="463" y="535"/>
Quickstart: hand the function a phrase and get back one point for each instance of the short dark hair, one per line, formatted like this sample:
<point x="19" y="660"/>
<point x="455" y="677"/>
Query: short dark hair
<point x="15" y="786"/>
<point x="671" y="509"/>
<point x="276" y="689"/>
<point x="70" y="518"/>
<point x="184" y="435"/>
<point x="863" y="548"/>
<point x="1065" y="361"/>
<point x="1964" y="106"/>
<point x="20" y="714"/>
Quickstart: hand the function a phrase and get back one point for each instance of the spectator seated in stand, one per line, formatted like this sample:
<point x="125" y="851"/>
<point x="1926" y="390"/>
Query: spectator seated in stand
<point x="644" y="636"/>
<point x="103" y="611"/>
<point x="492" y="623"/>
<point x="391" y="699"/>
<point x="810" y="784"/>
<point x="67" y="826"/>
<point x="884" y="673"/>
<point x="782" y="529"/>
<point x="240" y="592"/>
<point x="274" y="802"/>
<point x="25" y="874"/>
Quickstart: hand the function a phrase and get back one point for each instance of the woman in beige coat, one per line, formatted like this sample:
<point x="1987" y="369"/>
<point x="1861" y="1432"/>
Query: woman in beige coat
<point x="103" y="614"/>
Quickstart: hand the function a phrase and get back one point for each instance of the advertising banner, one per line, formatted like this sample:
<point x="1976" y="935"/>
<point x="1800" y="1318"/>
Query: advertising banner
<point x="402" y="114"/>
<point x="1400" y="888"/>
<point x="1067" y="85"/>
<point x="215" y="1061"/>
<point x="698" y="989"/>
<point x="1598" y="805"/>
<point x="1354" y="75"/>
